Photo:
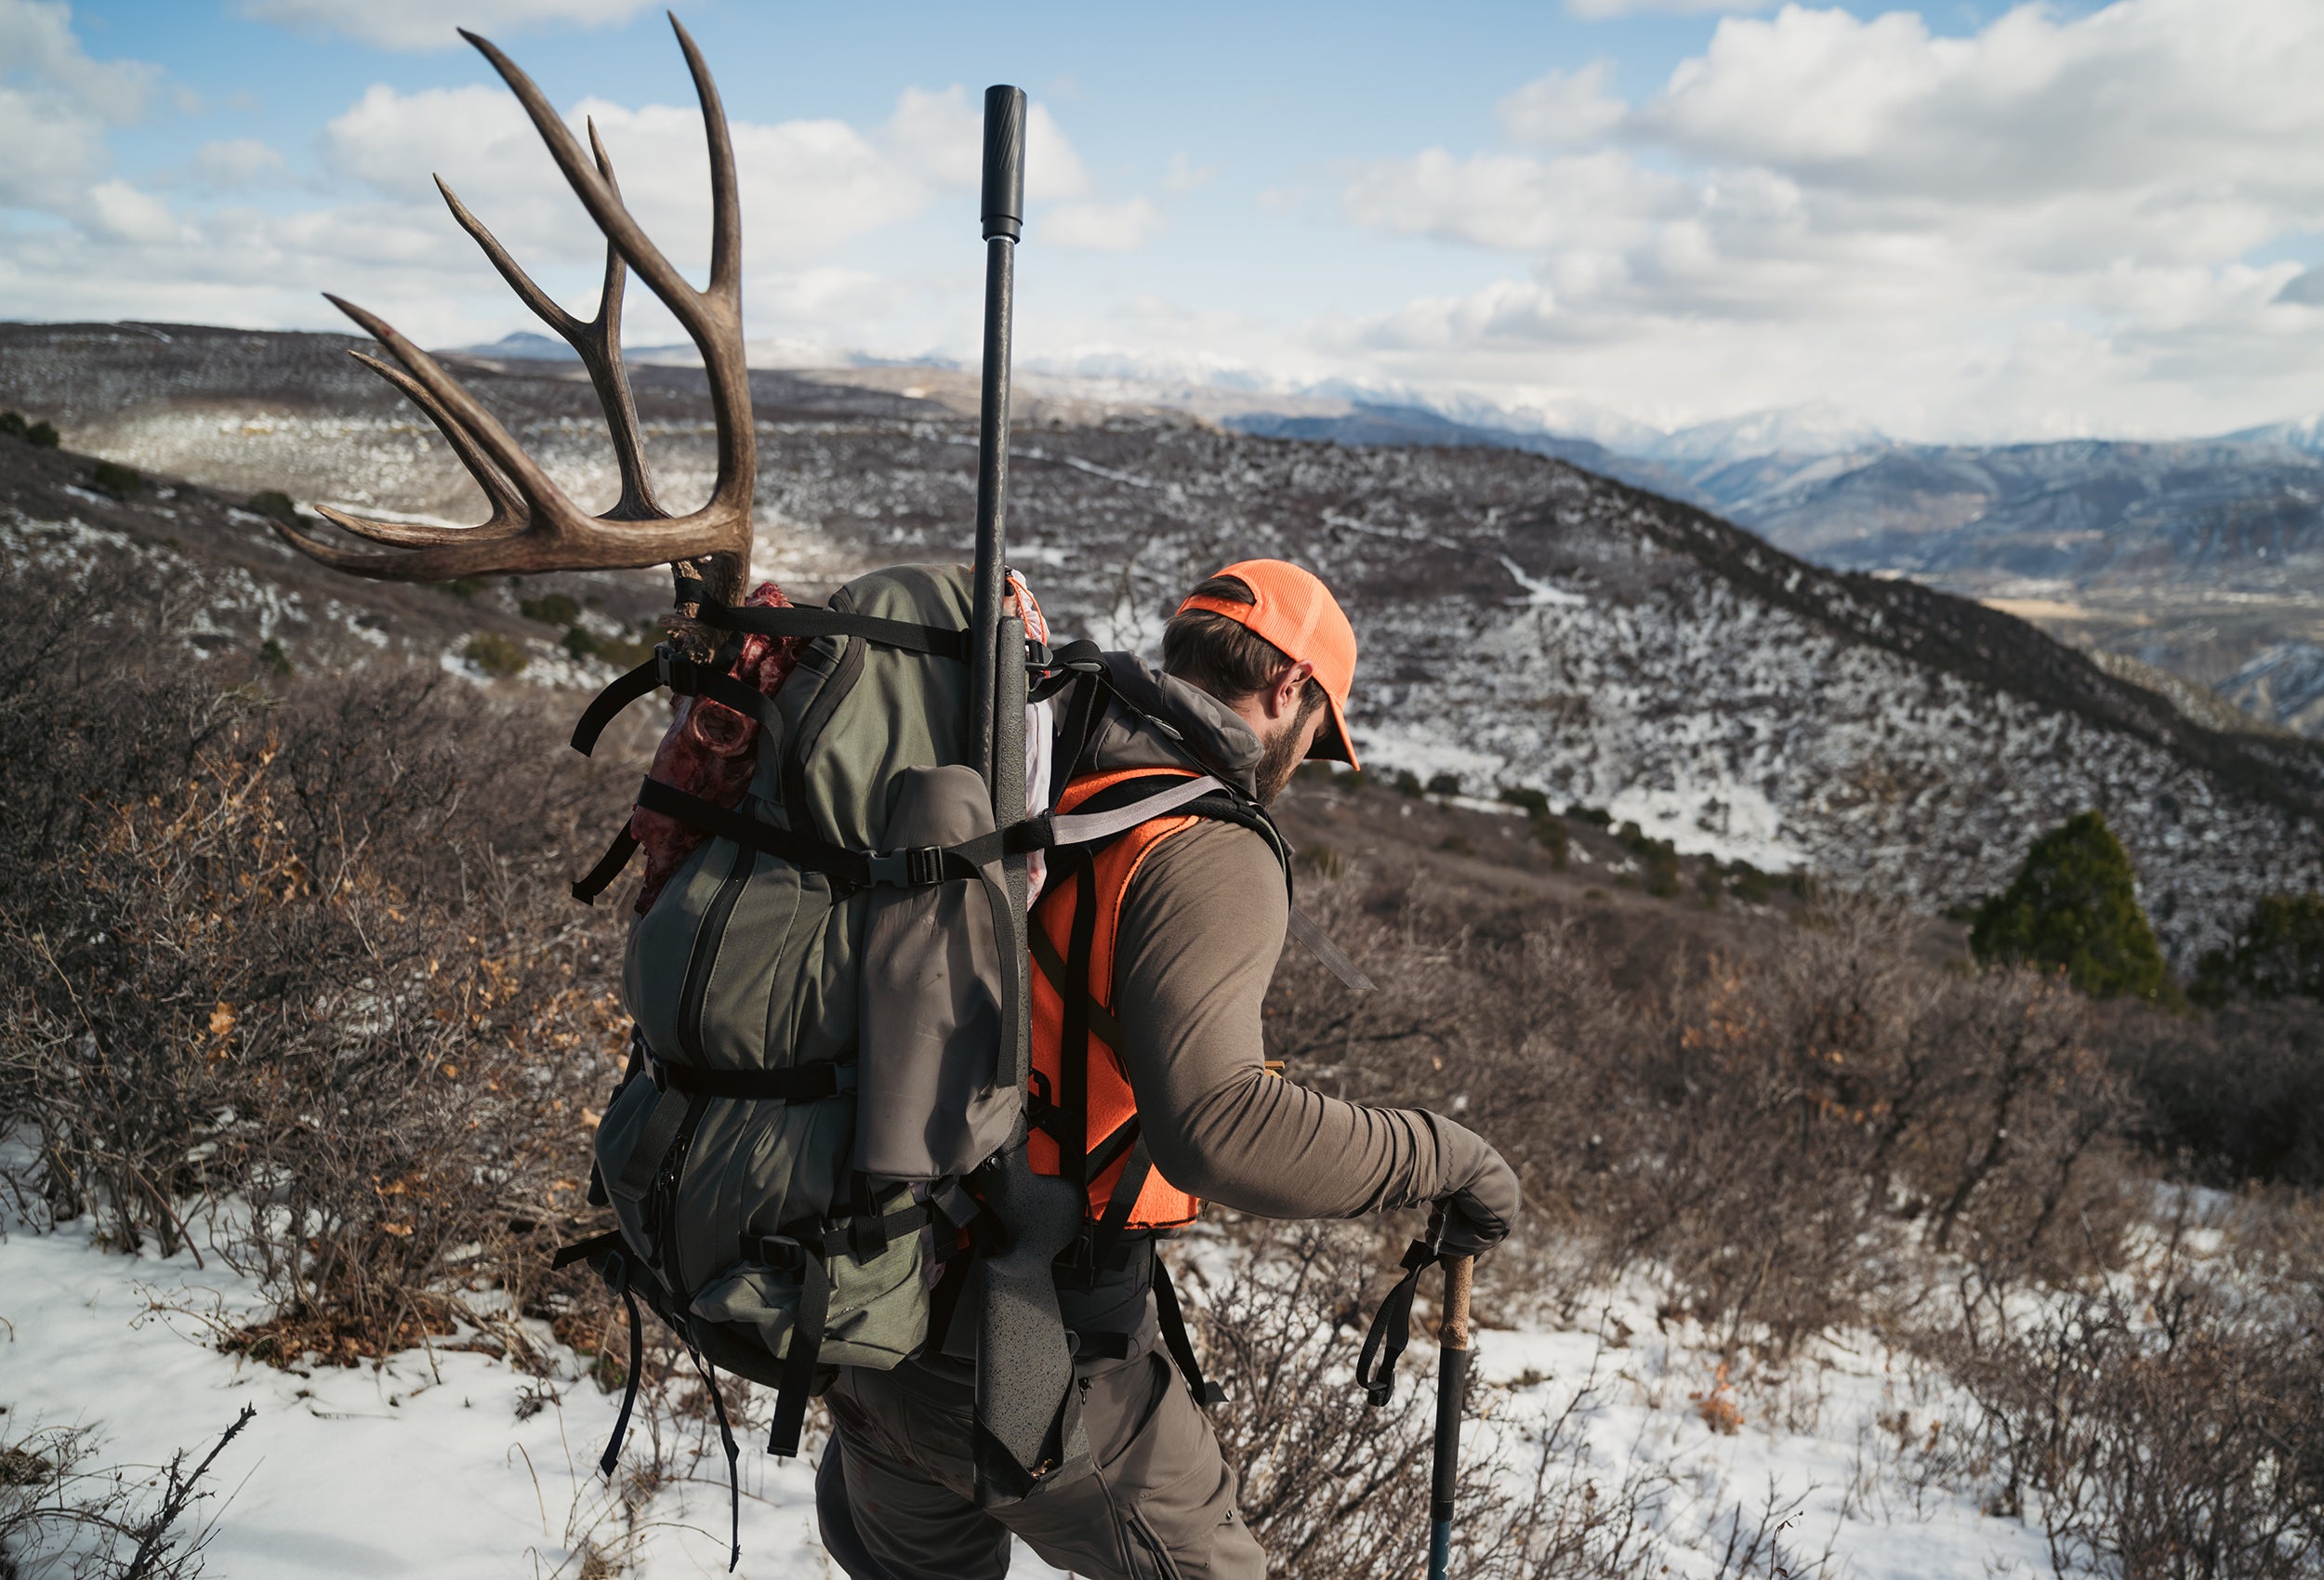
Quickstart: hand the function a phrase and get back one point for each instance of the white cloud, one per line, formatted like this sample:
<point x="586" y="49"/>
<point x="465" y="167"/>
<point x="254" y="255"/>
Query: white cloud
<point x="2046" y="221"/>
<point x="37" y="45"/>
<point x="1101" y="227"/>
<point x="233" y="163"/>
<point x="120" y="211"/>
<point x="55" y="106"/>
<point x="941" y="133"/>
<point x="380" y="235"/>
<point x="432" y="24"/>
<point x="1562" y="108"/>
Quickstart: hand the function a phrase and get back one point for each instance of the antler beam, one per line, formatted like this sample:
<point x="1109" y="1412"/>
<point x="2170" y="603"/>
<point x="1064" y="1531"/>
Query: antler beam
<point x="533" y="526"/>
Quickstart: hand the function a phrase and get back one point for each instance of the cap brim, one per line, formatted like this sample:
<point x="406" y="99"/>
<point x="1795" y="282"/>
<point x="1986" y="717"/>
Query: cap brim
<point x="1333" y="742"/>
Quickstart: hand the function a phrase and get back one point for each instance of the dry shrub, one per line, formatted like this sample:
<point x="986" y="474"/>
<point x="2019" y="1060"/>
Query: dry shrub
<point x="1335" y="1489"/>
<point x="2229" y="1095"/>
<point x="62" y="1513"/>
<point x="2163" y="1423"/>
<point x="1772" y="1132"/>
<point x="303" y="955"/>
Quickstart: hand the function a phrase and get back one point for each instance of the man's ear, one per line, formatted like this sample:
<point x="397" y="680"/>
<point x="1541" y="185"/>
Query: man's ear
<point x="1285" y="698"/>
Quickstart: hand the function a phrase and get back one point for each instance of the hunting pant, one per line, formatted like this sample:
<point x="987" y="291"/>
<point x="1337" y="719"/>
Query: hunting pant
<point x="894" y="1493"/>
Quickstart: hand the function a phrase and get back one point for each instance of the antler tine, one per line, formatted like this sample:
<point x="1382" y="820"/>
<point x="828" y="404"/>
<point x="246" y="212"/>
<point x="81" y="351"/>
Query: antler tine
<point x="638" y="502"/>
<point x="508" y="506"/>
<point x="555" y="534"/>
<point x="596" y="342"/>
<point x="712" y="317"/>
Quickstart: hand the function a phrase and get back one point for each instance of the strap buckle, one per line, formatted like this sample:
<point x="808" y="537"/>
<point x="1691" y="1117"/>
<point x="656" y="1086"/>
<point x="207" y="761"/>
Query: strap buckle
<point x="1037" y="655"/>
<point x="781" y="1252"/>
<point x="914" y="868"/>
<point x="673" y="670"/>
<point x="866" y="1236"/>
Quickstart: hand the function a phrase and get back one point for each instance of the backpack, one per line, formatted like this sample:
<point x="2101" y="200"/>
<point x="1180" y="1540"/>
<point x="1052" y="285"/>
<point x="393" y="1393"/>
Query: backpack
<point x="823" y="1030"/>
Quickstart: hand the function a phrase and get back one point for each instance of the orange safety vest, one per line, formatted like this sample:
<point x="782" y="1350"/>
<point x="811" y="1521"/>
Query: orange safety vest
<point x="1106" y="1102"/>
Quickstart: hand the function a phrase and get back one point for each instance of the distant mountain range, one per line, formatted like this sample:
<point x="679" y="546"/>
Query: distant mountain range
<point x="2203" y="559"/>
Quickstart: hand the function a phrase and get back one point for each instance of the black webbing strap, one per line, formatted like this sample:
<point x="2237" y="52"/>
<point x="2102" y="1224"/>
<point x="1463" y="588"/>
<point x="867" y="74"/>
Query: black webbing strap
<point x="1108" y="1152"/>
<point x="709" y="1375"/>
<point x="591" y="884"/>
<point x="801" y="620"/>
<point x="1052" y="965"/>
<point x="655" y="1140"/>
<point x="1073" y="1085"/>
<point x="920" y="866"/>
<point x="1106" y="1239"/>
<point x="798" y="1083"/>
<point x="1100" y="1346"/>
<point x="1392" y="1328"/>
<point x="584" y="1250"/>
<point x="617" y="1273"/>
<point x="1081" y="717"/>
<point x="1172" y="1321"/>
<point x="640" y="682"/>
<point x="810" y="855"/>
<point x="798" y="1380"/>
<point x="809" y="1252"/>
<point x="685" y="676"/>
<point x="1076" y="661"/>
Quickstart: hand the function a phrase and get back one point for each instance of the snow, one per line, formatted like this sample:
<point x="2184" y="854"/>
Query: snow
<point x="422" y="1465"/>
<point x="1538" y="591"/>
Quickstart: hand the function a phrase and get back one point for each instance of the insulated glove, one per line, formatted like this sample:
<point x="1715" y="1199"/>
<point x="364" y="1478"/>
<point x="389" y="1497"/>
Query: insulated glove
<point x="1481" y="1200"/>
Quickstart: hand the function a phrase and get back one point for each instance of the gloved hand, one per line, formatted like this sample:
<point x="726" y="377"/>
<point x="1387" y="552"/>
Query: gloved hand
<point x="1481" y="1198"/>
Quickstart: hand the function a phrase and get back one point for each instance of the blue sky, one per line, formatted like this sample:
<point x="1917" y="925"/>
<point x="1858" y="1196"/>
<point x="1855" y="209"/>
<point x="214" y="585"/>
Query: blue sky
<point x="1957" y="221"/>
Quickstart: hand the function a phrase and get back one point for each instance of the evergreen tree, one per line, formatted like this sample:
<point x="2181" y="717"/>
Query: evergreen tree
<point x="2280" y="953"/>
<point x="2074" y="908"/>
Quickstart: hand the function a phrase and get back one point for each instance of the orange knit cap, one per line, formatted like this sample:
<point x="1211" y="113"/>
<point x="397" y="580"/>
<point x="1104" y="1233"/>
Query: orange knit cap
<point x="1292" y="609"/>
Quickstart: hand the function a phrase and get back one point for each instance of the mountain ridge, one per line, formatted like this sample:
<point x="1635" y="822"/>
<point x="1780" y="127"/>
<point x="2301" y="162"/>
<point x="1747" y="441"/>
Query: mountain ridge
<point x="1523" y="621"/>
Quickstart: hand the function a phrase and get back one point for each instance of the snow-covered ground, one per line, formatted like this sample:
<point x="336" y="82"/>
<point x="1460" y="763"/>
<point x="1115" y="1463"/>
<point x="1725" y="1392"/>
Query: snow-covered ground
<point x="450" y="1463"/>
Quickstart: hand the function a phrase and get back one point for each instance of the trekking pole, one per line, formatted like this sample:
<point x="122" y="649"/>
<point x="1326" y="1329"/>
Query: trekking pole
<point x="1025" y="1424"/>
<point x="1452" y="1384"/>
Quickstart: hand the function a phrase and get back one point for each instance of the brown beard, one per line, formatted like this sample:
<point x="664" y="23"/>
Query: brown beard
<point x="1280" y="759"/>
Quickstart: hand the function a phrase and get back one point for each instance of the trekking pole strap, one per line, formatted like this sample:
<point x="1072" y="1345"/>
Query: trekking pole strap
<point x="1172" y="1321"/>
<point x="1392" y="1329"/>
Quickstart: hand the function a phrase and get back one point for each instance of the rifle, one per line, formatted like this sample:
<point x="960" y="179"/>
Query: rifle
<point x="1028" y="1418"/>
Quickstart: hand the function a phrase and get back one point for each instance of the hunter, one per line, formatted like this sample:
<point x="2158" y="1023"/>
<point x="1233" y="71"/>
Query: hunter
<point x="1189" y="917"/>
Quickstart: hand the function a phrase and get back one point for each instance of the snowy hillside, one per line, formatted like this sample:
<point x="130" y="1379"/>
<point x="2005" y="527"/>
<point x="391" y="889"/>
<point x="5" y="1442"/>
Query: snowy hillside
<point x="1523" y="621"/>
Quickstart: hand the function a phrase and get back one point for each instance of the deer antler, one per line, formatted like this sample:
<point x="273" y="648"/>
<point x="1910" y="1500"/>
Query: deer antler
<point x="533" y="526"/>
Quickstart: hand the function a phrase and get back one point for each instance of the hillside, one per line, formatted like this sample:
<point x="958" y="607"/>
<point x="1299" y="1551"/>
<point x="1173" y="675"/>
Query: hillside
<point x="1523" y="621"/>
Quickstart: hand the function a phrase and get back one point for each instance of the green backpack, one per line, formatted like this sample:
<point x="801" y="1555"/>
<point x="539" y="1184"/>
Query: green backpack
<point x="824" y="1041"/>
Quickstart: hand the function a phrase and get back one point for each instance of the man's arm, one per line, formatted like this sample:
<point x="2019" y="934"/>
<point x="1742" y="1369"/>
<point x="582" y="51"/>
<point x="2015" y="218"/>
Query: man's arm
<point x="1201" y="930"/>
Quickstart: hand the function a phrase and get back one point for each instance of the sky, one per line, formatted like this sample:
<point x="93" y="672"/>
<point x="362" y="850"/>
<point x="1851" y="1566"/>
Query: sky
<point x="1962" y="223"/>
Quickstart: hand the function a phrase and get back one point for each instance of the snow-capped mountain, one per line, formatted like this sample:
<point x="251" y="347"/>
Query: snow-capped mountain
<point x="1808" y="430"/>
<point x="2304" y="434"/>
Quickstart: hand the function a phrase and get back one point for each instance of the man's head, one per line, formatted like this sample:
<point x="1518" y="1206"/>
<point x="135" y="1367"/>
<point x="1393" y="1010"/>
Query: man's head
<point x="1267" y="638"/>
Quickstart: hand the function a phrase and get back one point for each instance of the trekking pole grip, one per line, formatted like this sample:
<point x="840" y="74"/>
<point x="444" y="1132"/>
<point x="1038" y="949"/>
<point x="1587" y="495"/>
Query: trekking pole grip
<point x="1452" y="1329"/>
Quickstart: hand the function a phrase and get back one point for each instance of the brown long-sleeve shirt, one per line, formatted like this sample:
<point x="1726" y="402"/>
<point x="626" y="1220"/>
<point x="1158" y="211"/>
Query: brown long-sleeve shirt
<point x="1201" y="930"/>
